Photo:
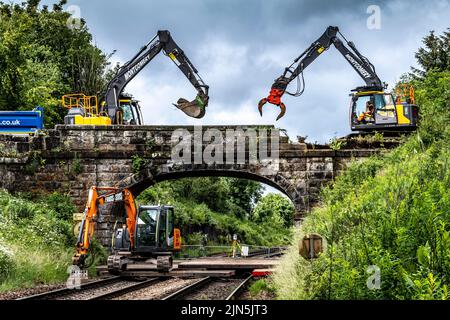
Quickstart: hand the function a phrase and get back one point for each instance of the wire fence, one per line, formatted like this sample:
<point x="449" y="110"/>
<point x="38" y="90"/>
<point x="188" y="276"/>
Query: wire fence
<point x="243" y="251"/>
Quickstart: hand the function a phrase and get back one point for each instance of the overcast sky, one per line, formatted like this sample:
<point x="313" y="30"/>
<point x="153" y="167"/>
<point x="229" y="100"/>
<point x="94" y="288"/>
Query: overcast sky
<point x="240" y="47"/>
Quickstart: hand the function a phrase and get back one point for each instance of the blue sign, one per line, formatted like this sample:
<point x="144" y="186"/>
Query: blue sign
<point x="21" y="122"/>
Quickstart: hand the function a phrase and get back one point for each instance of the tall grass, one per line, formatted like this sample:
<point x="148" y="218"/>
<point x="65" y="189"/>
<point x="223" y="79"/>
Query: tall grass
<point x="35" y="242"/>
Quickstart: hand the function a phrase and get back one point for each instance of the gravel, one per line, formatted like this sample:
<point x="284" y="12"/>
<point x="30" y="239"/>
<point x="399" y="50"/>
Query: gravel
<point x="218" y="289"/>
<point x="93" y="292"/>
<point x="158" y="290"/>
<point x="16" y="294"/>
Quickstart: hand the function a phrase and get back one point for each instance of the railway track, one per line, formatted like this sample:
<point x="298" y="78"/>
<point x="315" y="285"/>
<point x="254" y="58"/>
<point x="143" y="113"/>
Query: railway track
<point x="165" y="287"/>
<point x="266" y="253"/>
<point x="211" y="289"/>
<point x="116" y="288"/>
<point x="103" y="289"/>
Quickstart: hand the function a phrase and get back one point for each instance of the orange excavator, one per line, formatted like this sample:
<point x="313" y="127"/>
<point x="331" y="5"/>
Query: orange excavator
<point x="140" y="233"/>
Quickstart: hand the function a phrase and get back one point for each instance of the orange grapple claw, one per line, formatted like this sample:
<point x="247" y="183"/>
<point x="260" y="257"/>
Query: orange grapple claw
<point x="262" y="102"/>
<point x="283" y="111"/>
<point x="274" y="98"/>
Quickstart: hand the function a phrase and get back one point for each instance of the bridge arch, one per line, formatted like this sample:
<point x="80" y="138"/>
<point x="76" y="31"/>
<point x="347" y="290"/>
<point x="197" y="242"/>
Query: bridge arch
<point x="137" y="183"/>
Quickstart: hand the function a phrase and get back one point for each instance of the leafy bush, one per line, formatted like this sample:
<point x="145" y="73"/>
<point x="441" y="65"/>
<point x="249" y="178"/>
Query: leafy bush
<point x="274" y="208"/>
<point x="7" y="264"/>
<point x="62" y="205"/>
<point x="260" y="285"/>
<point x="138" y="164"/>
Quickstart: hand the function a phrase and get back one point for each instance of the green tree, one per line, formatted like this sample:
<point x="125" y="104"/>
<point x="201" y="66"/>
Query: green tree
<point x="43" y="58"/>
<point x="274" y="207"/>
<point x="435" y="55"/>
<point x="243" y="195"/>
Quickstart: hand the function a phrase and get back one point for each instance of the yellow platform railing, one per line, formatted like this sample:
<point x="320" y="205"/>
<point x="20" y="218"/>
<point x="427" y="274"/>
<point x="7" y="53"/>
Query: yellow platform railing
<point x="405" y="93"/>
<point x="79" y="100"/>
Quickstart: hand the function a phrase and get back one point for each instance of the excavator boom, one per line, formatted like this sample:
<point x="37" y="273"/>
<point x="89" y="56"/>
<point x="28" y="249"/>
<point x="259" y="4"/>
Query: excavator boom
<point x="162" y="41"/>
<point x="359" y="63"/>
<point x="87" y="227"/>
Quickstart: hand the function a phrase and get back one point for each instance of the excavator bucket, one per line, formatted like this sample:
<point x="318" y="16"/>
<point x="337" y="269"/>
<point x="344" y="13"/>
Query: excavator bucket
<point x="195" y="108"/>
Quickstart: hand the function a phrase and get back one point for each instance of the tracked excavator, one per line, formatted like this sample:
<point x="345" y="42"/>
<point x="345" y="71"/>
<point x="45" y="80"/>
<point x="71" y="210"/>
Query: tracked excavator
<point x="140" y="233"/>
<point x="371" y="107"/>
<point x="116" y="107"/>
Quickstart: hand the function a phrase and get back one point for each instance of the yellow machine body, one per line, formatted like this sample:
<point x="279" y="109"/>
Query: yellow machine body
<point x="390" y="114"/>
<point x="92" y="121"/>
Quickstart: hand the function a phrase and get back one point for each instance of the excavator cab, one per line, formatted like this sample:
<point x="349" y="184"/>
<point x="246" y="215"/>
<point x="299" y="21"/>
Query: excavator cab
<point x="387" y="114"/>
<point x="130" y="109"/>
<point x="154" y="231"/>
<point x="155" y="237"/>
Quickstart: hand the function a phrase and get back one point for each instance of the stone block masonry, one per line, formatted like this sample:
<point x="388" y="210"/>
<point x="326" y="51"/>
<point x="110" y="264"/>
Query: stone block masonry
<point x="71" y="159"/>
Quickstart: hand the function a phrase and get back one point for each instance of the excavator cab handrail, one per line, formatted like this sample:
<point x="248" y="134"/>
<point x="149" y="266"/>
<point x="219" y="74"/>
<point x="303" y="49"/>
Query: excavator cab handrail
<point x="89" y="104"/>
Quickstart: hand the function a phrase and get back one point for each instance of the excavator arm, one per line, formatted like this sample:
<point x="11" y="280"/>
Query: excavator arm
<point x="88" y="223"/>
<point x="359" y="63"/>
<point x="162" y="41"/>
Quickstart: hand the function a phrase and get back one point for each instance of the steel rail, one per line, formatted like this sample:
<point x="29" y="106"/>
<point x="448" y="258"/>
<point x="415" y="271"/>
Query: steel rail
<point x="67" y="291"/>
<point x="188" y="289"/>
<point x="238" y="290"/>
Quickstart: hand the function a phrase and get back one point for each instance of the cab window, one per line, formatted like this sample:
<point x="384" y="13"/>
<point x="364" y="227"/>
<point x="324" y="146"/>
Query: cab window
<point x="162" y="232"/>
<point x="127" y="112"/>
<point x="384" y="105"/>
<point x="147" y="223"/>
<point x="170" y="225"/>
<point x="359" y="106"/>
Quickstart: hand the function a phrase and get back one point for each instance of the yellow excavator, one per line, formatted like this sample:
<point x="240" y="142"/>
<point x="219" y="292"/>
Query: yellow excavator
<point x="116" y="107"/>
<point x="140" y="233"/>
<point x="371" y="108"/>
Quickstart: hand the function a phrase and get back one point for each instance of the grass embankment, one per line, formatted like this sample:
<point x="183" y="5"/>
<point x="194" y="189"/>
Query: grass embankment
<point x="392" y="212"/>
<point x="36" y="241"/>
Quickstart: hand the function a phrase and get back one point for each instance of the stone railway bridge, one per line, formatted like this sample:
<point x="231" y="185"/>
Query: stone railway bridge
<point x="71" y="159"/>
